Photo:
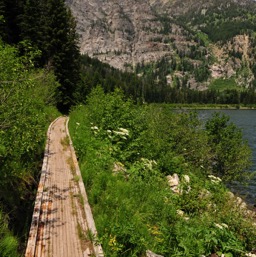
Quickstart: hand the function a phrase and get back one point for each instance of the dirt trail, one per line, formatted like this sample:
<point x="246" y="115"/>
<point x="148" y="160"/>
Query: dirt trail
<point x="59" y="227"/>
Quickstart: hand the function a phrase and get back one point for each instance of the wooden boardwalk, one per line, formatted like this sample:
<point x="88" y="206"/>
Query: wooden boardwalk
<point x="62" y="217"/>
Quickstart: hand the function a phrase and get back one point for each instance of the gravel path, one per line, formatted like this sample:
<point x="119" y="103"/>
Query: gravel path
<point x="58" y="225"/>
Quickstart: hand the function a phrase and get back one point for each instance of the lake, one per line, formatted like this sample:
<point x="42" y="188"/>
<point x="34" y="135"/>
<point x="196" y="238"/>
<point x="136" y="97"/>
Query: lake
<point x="246" y="120"/>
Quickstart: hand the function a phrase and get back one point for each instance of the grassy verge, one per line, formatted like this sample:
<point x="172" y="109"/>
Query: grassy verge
<point x="125" y="153"/>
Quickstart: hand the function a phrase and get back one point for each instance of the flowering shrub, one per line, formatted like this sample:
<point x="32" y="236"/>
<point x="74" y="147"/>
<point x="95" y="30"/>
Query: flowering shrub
<point x="125" y="153"/>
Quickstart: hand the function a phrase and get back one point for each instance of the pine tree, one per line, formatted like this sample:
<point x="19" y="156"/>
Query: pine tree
<point x="63" y="50"/>
<point x="2" y="20"/>
<point x="9" y="13"/>
<point x="50" y="27"/>
<point x="33" y="26"/>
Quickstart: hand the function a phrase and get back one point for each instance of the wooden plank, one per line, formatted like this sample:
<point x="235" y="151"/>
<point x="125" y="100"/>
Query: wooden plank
<point x="59" y="218"/>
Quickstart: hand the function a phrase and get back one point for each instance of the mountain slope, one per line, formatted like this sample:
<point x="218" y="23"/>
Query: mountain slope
<point x="201" y="40"/>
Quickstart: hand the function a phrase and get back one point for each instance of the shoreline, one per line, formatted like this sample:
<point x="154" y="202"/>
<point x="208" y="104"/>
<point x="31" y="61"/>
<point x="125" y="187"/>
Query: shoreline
<point x="194" y="106"/>
<point x="207" y="107"/>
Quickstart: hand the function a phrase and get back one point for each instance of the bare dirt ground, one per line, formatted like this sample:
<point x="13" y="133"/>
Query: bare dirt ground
<point x="59" y="227"/>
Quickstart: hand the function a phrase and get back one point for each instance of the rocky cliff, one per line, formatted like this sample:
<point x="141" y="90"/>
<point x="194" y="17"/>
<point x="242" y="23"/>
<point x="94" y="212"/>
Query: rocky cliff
<point x="206" y="40"/>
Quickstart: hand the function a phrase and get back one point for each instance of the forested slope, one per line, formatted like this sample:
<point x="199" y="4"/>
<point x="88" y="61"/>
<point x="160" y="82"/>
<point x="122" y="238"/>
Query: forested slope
<point x="176" y="46"/>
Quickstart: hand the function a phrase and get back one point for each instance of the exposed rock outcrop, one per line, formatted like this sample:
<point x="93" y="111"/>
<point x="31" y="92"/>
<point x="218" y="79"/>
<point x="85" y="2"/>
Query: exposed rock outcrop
<point x="151" y="254"/>
<point x="127" y="33"/>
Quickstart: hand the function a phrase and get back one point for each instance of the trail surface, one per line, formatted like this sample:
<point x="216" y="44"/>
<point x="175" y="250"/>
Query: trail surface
<point x="59" y="227"/>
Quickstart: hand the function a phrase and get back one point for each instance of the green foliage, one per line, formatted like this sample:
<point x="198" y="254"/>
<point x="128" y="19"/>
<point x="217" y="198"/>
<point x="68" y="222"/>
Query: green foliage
<point x="125" y="152"/>
<point x="8" y="243"/>
<point x="62" y="51"/>
<point x="94" y="73"/>
<point x="202" y="73"/>
<point x="223" y="84"/>
<point x="203" y="237"/>
<point x="168" y="139"/>
<point x="222" y="21"/>
<point x="49" y="29"/>
<point x="203" y="37"/>
<point x="231" y="153"/>
<point x="27" y="97"/>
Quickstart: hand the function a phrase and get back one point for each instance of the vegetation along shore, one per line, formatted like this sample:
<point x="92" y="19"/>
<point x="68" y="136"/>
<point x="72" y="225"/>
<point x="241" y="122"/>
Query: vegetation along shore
<point x="155" y="177"/>
<point x="131" y="158"/>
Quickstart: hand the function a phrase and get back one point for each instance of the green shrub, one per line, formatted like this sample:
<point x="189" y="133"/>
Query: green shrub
<point x="125" y="152"/>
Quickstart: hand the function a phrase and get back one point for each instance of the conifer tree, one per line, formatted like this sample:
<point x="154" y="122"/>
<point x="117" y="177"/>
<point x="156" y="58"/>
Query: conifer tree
<point x="33" y="26"/>
<point x="50" y="27"/>
<point x="63" y="50"/>
<point x="9" y="15"/>
<point x="2" y="19"/>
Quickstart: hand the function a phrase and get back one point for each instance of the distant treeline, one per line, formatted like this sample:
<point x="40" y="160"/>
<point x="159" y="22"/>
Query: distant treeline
<point x="45" y="30"/>
<point x="146" y="89"/>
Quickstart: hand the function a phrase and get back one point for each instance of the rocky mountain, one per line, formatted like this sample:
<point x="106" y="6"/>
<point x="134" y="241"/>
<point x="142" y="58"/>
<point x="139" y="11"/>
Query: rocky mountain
<point x="193" y="43"/>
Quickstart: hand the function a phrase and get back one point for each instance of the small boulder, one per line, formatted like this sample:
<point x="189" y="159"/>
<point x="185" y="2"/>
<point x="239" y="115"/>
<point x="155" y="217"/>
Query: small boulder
<point x="151" y="254"/>
<point x="173" y="181"/>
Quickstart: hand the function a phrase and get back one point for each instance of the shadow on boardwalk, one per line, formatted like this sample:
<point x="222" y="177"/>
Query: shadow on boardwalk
<point x="60" y="222"/>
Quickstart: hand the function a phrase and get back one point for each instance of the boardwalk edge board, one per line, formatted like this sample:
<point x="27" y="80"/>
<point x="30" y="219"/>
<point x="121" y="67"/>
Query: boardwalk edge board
<point x="31" y="244"/>
<point x="98" y="251"/>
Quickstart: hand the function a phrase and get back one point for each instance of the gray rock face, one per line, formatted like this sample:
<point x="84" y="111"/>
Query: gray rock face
<point x="122" y="33"/>
<point x="126" y="33"/>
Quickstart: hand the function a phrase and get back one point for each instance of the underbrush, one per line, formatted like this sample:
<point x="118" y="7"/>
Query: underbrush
<point x="27" y="97"/>
<point x="125" y="153"/>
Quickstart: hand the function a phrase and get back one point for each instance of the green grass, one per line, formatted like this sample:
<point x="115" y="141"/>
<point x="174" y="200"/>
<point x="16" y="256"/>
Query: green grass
<point x="224" y="84"/>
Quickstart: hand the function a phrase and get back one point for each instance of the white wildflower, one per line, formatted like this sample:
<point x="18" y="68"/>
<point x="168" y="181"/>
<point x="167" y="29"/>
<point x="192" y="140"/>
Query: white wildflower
<point x="109" y="131"/>
<point x="120" y="133"/>
<point x="186" y="178"/>
<point x="180" y="212"/>
<point x="224" y="225"/>
<point x="77" y="123"/>
<point x="124" y="131"/>
<point x="148" y="163"/>
<point x="250" y="254"/>
<point x="218" y="226"/>
<point x="94" y="128"/>
<point x="214" y="179"/>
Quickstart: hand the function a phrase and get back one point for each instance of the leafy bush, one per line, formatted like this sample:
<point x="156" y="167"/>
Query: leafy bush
<point x="27" y="97"/>
<point x="231" y="154"/>
<point x="8" y="243"/>
<point x="125" y="152"/>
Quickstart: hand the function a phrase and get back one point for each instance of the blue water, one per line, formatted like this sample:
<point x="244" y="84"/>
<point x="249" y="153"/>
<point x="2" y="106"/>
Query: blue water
<point x="246" y="120"/>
